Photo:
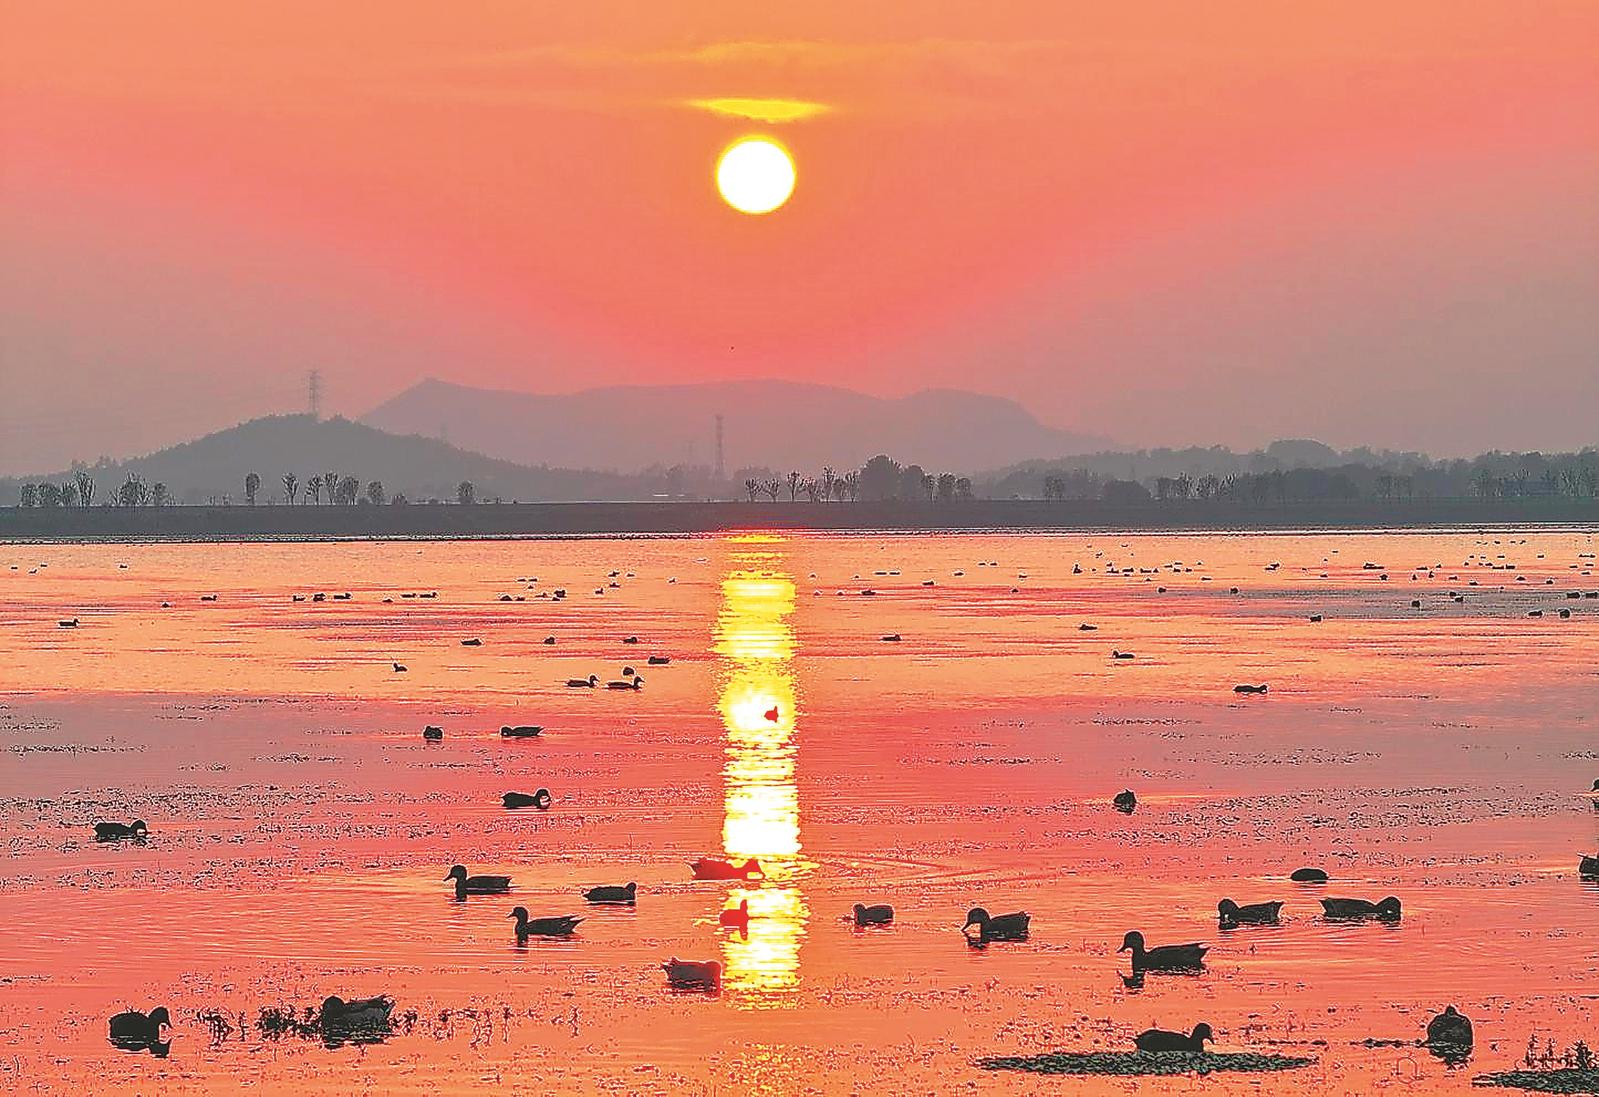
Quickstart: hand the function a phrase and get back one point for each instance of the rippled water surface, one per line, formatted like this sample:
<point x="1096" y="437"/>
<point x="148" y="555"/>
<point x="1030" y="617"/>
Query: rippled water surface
<point x="301" y="827"/>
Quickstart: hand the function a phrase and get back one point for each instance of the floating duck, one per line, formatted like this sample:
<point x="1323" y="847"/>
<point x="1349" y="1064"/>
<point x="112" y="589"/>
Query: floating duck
<point x="1308" y="876"/>
<point x="1230" y="914"/>
<point x="116" y="832"/>
<point x="634" y="682"/>
<point x="520" y="731"/>
<point x="1124" y="801"/>
<point x="1386" y="909"/>
<point x="1165" y="958"/>
<point x="711" y="868"/>
<point x="879" y="915"/>
<point x="477" y="885"/>
<point x="358" y="1014"/>
<point x="135" y="1031"/>
<point x="1157" y="1039"/>
<point x="399" y="668"/>
<point x="1315" y="618"/>
<point x="548" y="640"/>
<point x="630" y="639"/>
<point x="1250" y="689"/>
<point x="1588" y="868"/>
<point x="1087" y="628"/>
<point x="583" y="683"/>
<point x="693" y="974"/>
<point x="771" y="714"/>
<point x="891" y="638"/>
<point x="558" y="926"/>
<point x="474" y="642"/>
<point x="1450" y="1030"/>
<point x="659" y="660"/>
<point x="433" y="733"/>
<point x="613" y="895"/>
<point x="1122" y="655"/>
<point x="1004" y="927"/>
<point x="735" y="917"/>
<point x="73" y="623"/>
<point x="540" y="799"/>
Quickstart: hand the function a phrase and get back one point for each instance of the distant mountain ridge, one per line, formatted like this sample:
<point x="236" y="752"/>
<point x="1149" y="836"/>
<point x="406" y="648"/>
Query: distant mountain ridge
<point x="214" y="467"/>
<point x="766" y="423"/>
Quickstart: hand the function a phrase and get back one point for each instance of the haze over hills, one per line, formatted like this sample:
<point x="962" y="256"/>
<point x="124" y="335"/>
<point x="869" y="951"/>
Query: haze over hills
<point x="777" y="424"/>
<point x="214" y="467"/>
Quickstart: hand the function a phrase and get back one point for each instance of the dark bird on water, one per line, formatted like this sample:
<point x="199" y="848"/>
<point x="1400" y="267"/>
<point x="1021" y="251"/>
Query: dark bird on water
<point x="1165" y="958"/>
<point x="365" y="1014"/>
<point x="659" y="660"/>
<point x="558" y="926"/>
<point x="1387" y="910"/>
<point x="632" y="683"/>
<point x="711" y="868"/>
<point x="549" y="640"/>
<point x="693" y="974"/>
<point x="399" y="668"/>
<point x="1588" y="868"/>
<point x="1250" y="689"/>
<point x="1157" y="1039"/>
<point x="630" y="639"/>
<point x="472" y="643"/>
<point x="583" y="683"/>
<point x="1230" y="914"/>
<point x="520" y="731"/>
<point x="135" y="1031"/>
<point x="1122" y="655"/>
<point x="771" y="714"/>
<point x="891" y="638"/>
<point x="879" y="915"/>
<point x="735" y="917"/>
<point x="433" y="733"/>
<point x="612" y="895"/>
<point x="477" y="885"/>
<point x="1003" y="927"/>
<point x="1124" y="801"/>
<point x="1450" y="1028"/>
<point x="540" y="799"/>
<point x="115" y="832"/>
<point x="1308" y="876"/>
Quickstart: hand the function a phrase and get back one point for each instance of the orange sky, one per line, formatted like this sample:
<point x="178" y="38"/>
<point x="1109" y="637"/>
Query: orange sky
<point x="1163" y="222"/>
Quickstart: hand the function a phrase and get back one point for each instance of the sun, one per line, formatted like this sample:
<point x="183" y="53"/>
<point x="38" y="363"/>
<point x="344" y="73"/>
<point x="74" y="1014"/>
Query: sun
<point x="755" y="175"/>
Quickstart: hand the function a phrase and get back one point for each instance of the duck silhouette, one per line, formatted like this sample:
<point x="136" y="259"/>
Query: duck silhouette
<point x="1262" y="688"/>
<point x="540" y="799"/>
<point x="476" y="885"/>
<point x="880" y="914"/>
<point x="1449" y="1034"/>
<point x="771" y="714"/>
<point x="634" y="682"/>
<point x="583" y="683"/>
<point x="712" y="868"/>
<point x="1588" y="867"/>
<point x="1230" y="914"/>
<point x="1124" y="801"/>
<point x="613" y="895"/>
<point x="520" y="731"/>
<point x="1308" y="876"/>
<point x="548" y="640"/>
<point x="399" y="668"/>
<point x="693" y="974"/>
<point x="1387" y="910"/>
<point x="135" y="1031"/>
<point x="433" y="733"/>
<point x="1157" y="1039"/>
<point x="1003" y="927"/>
<point x="736" y="917"/>
<point x="1165" y="958"/>
<point x="474" y="642"/>
<point x="359" y="1020"/>
<point x="1122" y="655"/>
<point x="70" y="623"/>
<point x="118" y="832"/>
<point x="559" y="926"/>
<point x="659" y="660"/>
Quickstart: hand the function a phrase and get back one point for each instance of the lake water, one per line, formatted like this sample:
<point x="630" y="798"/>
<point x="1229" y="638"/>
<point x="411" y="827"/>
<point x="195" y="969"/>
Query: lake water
<point x="301" y="827"/>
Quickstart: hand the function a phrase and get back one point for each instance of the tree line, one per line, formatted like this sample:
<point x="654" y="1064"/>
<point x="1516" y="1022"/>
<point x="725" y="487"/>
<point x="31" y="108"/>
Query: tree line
<point x="880" y="479"/>
<point x="328" y="488"/>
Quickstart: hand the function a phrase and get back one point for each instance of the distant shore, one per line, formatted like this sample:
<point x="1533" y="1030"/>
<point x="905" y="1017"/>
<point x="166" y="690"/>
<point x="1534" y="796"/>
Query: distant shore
<point x="244" y="523"/>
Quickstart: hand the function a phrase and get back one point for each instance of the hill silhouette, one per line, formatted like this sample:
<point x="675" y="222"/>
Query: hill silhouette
<point x="214" y="467"/>
<point x="776" y="424"/>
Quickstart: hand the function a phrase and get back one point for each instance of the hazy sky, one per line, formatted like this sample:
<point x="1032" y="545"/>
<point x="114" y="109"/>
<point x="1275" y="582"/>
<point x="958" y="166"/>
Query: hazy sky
<point x="1367" y="222"/>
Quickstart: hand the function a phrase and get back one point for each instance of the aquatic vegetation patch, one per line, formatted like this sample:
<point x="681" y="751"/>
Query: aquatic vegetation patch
<point x="1136" y="1063"/>
<point x="1562" y="1080"/>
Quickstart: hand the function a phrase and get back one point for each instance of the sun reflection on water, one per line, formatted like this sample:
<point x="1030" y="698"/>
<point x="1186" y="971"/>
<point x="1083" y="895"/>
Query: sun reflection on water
<point x="762" y="817"/>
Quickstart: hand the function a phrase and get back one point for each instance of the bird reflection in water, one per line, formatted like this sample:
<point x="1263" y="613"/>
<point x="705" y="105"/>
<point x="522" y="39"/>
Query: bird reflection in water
<point x="756" y="641"/>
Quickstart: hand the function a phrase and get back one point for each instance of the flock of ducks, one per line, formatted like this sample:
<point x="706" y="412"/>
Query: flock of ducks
<point x="1450" y="1029"/>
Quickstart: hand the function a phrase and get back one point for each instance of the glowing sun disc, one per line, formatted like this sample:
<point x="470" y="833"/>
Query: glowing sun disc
<point x="755" y="175"/>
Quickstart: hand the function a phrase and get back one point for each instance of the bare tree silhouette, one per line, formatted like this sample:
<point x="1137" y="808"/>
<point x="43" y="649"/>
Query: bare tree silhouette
<point x="313" y="489"/>
<point x="291" y="484"/>
<point x="465" y="493"/>
<point x="252" y="484"/>
<point x="85" y="484"/>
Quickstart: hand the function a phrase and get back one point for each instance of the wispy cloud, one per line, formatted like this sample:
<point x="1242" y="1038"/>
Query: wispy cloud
<point x="761" y="110"/>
